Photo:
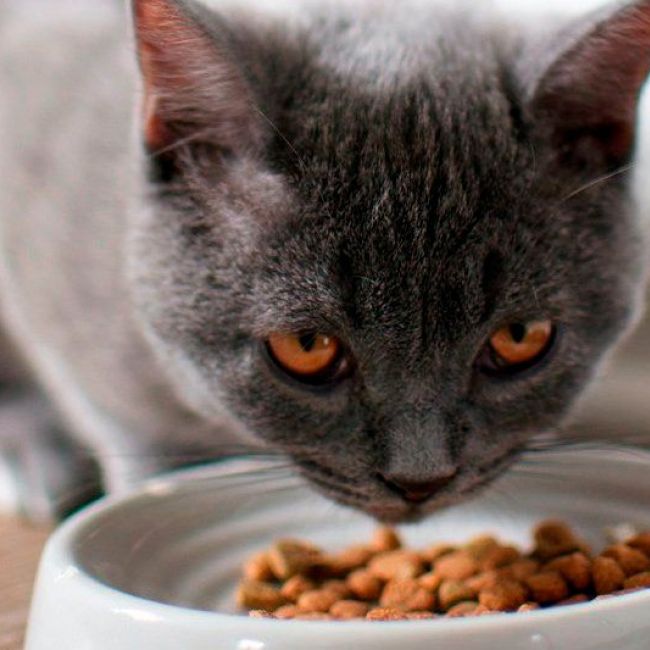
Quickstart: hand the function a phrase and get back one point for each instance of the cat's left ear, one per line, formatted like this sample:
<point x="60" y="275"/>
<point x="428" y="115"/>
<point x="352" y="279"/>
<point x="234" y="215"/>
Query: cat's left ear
<point x="589" y="95"/>
<point x="194" y="91"/>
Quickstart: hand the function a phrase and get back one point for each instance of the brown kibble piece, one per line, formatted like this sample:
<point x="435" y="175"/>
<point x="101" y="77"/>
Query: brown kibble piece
<point x="407" y="595"/>
<point x="520" y="569"/>
<point x="458" y="565"/>
<point x="607" y="575"/>
<point x="548" y="587"/>
<point x="452" y="592"/>
<point x="385" y="614"/>
<point x="528" y="607"/>
<point x="396" y="565"/>
<point x="260" y="613"/>
<point x="294" y="587"/>
<point x="252" y="594"/>
<point x="289" y="557"/>
<point x="640" y="580"/>
<point x="340" y="564"/>
<point x="574" y="568"/>
<point x="386" y="539"/>
<point x="554" y="538"/>
<point x="499" y="557"/>
<point x="479" y="547"/>
<point x="318" y="600"/>
<point x="364" y="585"/>
<point x="258" y="568"/>
<point x="430" y="581"/>
<point x="287" y="612"/>
<point x="339" y="587"/>
<point x="464" y="608"/>
<point x="641" y="542"/>
<point x="349" y="609"/>
<point x="631" y="560"/>
<point x="484" y="580"/>
<point x="420" y="616"/>
<point x="505" y="596"/>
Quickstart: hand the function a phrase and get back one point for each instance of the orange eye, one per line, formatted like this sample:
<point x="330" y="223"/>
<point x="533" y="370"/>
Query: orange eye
<point x="520" y="343"/>
<point x="305" y="355"/>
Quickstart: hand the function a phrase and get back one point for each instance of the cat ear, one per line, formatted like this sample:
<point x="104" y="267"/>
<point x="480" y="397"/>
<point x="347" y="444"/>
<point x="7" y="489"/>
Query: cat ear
<point x="193" y="90"/>
<point x="589" y="95"/>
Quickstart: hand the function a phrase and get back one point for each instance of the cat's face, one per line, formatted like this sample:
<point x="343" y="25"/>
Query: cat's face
<point x="395" y="282"/>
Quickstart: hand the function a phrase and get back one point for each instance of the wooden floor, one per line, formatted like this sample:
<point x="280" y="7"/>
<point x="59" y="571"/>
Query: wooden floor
<point x="20" y="547"/>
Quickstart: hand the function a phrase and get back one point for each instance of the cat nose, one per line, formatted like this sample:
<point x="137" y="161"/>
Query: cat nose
<point x="416" y="491"/>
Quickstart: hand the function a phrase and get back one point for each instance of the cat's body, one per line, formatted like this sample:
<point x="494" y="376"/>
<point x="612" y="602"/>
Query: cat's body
<point x="71" y="190"/>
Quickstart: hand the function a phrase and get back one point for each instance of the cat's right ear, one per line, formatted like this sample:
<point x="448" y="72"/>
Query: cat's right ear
<point x="589" y="95"/>
<point x="193" y="91"/>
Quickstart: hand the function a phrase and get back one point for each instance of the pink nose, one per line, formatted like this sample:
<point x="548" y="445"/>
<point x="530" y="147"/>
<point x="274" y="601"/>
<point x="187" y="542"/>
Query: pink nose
<point x="416" y="491"/>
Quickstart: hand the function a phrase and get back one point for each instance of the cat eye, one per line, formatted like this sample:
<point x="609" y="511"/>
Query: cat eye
<point x="310" y="357"/>
<point x="518" y="346"/>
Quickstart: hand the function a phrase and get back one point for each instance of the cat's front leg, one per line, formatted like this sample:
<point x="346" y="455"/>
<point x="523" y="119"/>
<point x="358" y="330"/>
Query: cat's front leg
<point x="44" y="475"/>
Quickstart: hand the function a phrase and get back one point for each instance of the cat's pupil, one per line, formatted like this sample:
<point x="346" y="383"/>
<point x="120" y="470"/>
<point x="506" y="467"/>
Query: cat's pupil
<point x="308" y="341"/>
<point x="518" y="332"/>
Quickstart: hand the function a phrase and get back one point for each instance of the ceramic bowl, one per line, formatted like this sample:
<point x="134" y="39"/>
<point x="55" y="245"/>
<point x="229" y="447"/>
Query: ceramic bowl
<point x="156" y="570"/>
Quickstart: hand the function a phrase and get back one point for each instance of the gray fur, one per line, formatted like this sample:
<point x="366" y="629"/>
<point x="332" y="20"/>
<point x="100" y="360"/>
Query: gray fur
<point x="396" y="188"/>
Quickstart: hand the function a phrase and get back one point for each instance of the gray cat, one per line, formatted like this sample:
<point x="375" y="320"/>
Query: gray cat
<point x="392" y="241"/>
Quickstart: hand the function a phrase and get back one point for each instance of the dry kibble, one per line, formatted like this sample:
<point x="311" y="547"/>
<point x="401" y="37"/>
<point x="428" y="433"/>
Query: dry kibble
<point x="430" y="581"/>
<point x="528" y="607"/>
<point x="520" y="569"/>
<point x="252" y="594"/>
<point x="607" y="575"/>
<point x="458" y="565"/>
<point x="287" y="612"/>
<point x="499" y="557"/>
<point x="640" y="580"/>
<point x="554" y="538"/>
<point x="258" y="568"/>
<point x="505" y="596"/>
<point x="640" y="542"/>
<point x="364" y="585"/>
<point x="289" y="557"/>
<point x="452" y="592"/>
<point x="318" y="600"/>
<point x="574" y="568"/>
<point x="396" y="565"/>
<point x="386" y="539"/>
<point x="465" y="608"/>
<point x="479" y="547"/>
<point x="294" y="587"/>
<point x="349" y="609"/>
<point x="407" y="595"/>
<point x="420" y="616"/>
<point x="338" y="587"/>
<point x="548" y="587"/>
<point x="385" y="614"/>
<point x="631" y="560"/>
<point x="384" y="581"/>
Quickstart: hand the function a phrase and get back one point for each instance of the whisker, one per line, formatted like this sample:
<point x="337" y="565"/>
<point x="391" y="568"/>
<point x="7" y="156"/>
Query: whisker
<point x="597" y="181"/>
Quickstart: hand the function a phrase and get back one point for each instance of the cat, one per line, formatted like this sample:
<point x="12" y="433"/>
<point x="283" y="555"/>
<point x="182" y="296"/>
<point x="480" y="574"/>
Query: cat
<point x="392" y="242"/>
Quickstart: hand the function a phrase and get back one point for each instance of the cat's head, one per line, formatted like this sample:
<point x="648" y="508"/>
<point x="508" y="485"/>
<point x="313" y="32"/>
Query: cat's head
<point x="394" y="245"/>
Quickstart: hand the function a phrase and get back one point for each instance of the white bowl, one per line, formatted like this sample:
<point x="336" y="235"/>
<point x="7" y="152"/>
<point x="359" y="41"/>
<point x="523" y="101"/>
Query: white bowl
<point x="151" y="571"/>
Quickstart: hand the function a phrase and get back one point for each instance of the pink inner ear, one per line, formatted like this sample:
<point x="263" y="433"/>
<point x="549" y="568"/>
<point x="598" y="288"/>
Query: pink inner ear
<point x="594" y="88"/>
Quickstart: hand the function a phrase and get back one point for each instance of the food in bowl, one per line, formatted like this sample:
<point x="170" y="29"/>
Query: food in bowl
<point x="386" y="581"/>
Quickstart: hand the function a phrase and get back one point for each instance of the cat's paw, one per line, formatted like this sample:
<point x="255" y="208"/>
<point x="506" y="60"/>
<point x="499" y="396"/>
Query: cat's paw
<point x="43" y="477"/>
